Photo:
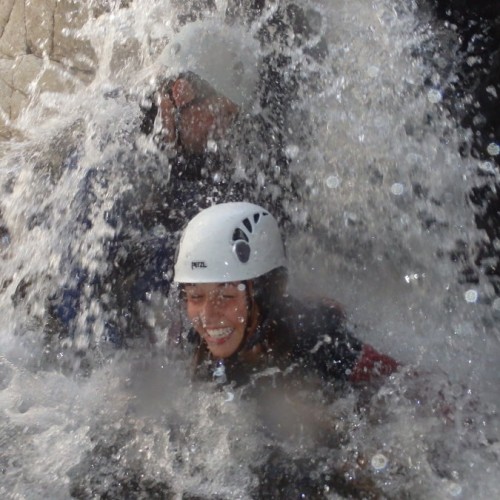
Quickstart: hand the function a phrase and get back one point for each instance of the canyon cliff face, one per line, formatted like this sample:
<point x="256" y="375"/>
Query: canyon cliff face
<point x="40" y="53"/>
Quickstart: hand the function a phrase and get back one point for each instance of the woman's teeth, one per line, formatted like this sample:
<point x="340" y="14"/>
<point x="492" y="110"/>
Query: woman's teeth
<point x="219" y="333"/>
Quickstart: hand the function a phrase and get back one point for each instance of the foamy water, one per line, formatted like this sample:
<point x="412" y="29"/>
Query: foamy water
<point x="386" y="191"/>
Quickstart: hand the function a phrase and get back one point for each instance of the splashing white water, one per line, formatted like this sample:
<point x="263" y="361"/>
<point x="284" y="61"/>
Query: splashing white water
<point x="386" y="191"/>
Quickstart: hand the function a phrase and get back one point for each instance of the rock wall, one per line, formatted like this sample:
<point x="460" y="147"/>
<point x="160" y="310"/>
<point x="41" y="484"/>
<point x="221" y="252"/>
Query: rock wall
<point x="40" y="51"/>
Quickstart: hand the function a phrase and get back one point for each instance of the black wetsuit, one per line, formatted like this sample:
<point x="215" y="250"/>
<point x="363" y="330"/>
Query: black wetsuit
<point x="297" y="341"/>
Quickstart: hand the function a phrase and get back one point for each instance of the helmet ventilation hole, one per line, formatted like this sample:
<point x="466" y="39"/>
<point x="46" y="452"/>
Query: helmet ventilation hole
<point x="239" y="235"/>
<point x="242" y="251"/>
<point x="248" y="225"/>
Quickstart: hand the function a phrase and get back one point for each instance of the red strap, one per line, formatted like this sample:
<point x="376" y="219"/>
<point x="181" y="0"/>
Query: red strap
<point x="371" y="364"/>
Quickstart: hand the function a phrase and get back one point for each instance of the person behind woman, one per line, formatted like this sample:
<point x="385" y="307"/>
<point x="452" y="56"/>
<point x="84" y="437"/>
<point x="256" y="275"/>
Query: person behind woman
<point x="232" y="274"/>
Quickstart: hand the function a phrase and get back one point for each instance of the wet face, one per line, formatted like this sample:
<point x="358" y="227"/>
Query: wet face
<point x="194" y="116"/>
<point x="219" y="313"/>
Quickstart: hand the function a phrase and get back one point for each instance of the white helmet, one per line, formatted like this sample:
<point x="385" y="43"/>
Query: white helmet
<point x="229" y="242"/>
<point x="225" y="56"/>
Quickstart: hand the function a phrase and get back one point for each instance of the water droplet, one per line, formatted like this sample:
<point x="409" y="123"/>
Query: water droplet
<point x="261" y="179"/>
<point x="471" y="296"/>
<point x="453" y="489"/>
<point x="292" y="151"/>
<point x="219" y="373"/>
<point x="493" y="149"/>
<point x="212" y="146"/>
<point x="397" y="189"/>
<point x="472" y="60"/>
<point x="496" y="304"/>
<point x="241" y="287"/>
<point x="409" y="278"/>
<point x="434" y="96"/>
<point x="379" y="461"/>
<point x="487" y="167"/>
<point x="332" y="182"/>
<point x="492" y="91"/>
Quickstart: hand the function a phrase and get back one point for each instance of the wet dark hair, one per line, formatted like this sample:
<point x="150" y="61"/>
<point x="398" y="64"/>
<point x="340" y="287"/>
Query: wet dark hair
<point x="269" y="289"/>
<point x="268" y="293"/>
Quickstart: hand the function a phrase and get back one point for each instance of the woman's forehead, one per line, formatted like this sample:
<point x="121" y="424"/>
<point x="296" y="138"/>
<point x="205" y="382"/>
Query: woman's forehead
<point x="215" y="286"/>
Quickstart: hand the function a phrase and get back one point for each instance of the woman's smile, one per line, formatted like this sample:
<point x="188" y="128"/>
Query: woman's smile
<point x="218" y="335"/>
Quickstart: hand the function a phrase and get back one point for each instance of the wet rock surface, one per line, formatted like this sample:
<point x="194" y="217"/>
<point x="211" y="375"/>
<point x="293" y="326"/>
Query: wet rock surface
<point x="478" y="85"/>
<point x="41" y="51"/>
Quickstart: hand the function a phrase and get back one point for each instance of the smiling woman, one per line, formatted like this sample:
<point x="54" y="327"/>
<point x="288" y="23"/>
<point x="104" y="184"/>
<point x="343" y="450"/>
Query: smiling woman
<point x="231" y="267"/>
<point x="219" y="313"/>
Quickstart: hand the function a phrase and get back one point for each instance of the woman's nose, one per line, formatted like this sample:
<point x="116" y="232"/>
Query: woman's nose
<point x="210" y="313"/>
